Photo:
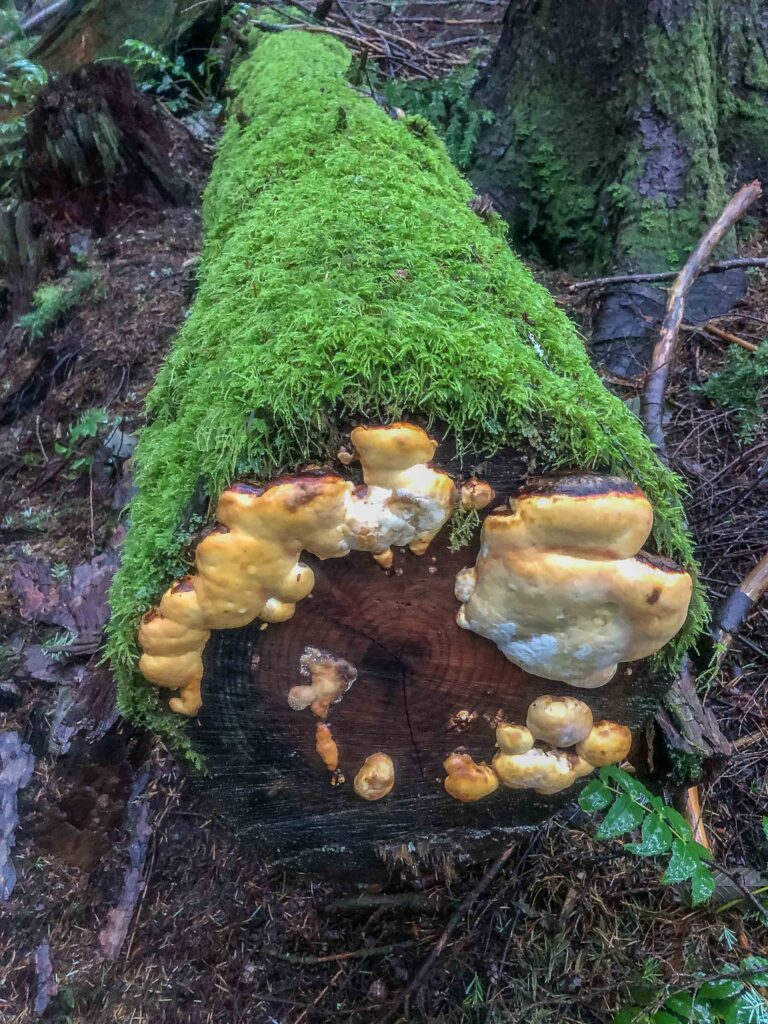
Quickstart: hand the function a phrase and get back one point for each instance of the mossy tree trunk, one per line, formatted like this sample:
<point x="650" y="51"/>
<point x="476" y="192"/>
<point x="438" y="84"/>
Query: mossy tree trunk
<point x="620" y="129"/>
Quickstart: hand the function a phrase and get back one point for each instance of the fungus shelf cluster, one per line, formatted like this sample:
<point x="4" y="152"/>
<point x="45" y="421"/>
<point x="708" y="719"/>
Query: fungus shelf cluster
<point x="556" y="722"/>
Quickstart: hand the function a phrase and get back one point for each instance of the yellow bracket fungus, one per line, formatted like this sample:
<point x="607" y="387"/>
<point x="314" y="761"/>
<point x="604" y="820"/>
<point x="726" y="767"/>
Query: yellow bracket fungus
<point x="561" y="586"/>
<point x="248" y="567"/>
<point x="330" y="676"/>
<point x="467" y="781"/>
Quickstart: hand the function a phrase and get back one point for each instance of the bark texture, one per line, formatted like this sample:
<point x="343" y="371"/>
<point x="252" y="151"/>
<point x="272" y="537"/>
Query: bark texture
<point x="620" y="129"/>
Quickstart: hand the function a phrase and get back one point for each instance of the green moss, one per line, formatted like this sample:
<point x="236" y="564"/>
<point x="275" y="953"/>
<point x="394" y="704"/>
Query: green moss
<point x="51" y="302"/>
<point x="304" y="319"/>
<point x="741" y="386"/>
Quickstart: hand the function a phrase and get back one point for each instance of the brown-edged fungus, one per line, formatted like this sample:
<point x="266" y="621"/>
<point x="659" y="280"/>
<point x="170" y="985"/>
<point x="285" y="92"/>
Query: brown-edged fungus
<point x="561" y="586"/>
<point x="466" y="780"/>
<point x="376" y="777"/>
<point x="606" y="743"/>
<point x="476" y="493"/>
<point x="559" y="721"/>
<point x="513" y="739"/>
<point x="545" y="771"/>
<point x="330" y="677"/>
<point x="249" y="566"/>
<point x="325" y="745"/>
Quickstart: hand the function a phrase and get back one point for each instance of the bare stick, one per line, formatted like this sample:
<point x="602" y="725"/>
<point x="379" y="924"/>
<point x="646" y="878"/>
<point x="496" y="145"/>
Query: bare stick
<point x="663" y="353"/>
<point x="455" y="920"/>
<point x="668" y="275"/>
<point x="717" y="332"/>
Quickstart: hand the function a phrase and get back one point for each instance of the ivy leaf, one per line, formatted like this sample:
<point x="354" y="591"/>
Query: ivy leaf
<point x="595" y="797"/>
<point x="662" y="1017"/>
<point x="678" y="822"/>
<point x="690" y="1009"/>
<point x="622" y="817"/>
<point x="627" y="782"/>
<point x="656" y="838"/>
<point x="727" y="988"/>
<point x="632" y="1015"/>
<point x="754" y="963"/>
<point x="682" y="864"/>
<point x="702" y="885"/>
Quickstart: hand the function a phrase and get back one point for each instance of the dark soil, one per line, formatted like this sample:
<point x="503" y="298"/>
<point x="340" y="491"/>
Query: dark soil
<point x="567" y="926"/>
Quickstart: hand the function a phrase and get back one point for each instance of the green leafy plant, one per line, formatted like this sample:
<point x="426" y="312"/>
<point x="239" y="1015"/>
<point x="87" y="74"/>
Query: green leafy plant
<point x="664" y="832"/>
<point x="731" y="997"/>
<point x="52" y="301"/>
<point x="448" y="105"/>
<point x="162" y="76"/>
<point x="742" y="388"/>
<point x="20" y="81"/>
<point x="76" y="447"/>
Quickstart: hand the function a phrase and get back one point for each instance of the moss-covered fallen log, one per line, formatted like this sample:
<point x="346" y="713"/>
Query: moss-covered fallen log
<point x="345" y="279"/>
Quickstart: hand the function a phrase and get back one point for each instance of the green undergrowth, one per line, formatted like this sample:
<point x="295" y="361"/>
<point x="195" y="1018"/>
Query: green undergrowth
<point x="741" y="386"/>
<point x="52" y="302"/>
<point x="344" y="275"/>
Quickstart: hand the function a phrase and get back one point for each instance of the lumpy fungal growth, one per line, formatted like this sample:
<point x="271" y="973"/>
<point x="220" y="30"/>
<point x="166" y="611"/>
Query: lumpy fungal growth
<point x="561" y="586"/>
<point x="606" y="743"/>
<point x="513" y="739"/>
<point x="466" y="780"/>
<point x="559" y="721"/>
<point x="325" y="745"/>
<point x="249" y="567"/>
<point x="545" y="771"/>
<point x="376" y="777"/>
<point x="330" y="676"/>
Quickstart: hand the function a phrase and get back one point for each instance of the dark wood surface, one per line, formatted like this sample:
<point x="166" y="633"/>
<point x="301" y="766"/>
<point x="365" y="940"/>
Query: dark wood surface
<point x="416" y="670"/>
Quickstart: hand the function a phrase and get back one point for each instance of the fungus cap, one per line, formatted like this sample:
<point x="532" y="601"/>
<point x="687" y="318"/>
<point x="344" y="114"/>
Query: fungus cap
<point x="466" y="780"/>
<point x="513" y="739"/>
<point x="607" y="743"/>
<point x="559" y="721"/>
<point x="376" y="777"/>
<point x="545" y="771"/>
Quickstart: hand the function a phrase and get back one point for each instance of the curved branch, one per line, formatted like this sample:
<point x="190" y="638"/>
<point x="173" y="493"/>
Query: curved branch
<point x="663" y="353"/>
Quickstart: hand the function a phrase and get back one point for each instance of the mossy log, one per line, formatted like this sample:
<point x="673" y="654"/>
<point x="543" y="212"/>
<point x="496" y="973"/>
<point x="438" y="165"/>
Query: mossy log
<point x="346" y="281"/>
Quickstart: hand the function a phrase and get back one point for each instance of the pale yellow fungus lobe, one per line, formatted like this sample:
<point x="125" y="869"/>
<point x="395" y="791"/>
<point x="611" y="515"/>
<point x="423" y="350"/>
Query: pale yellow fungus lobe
<point x="513" y="739"/>
<point x="249" y="566"/>
<point x="545" y="771"/>
<point x="466" y="780"/>
<point x="559" y="721"/>
<point x="561" y="586"/>
<point x="476" y="493"/>
<point x="376" y="777"/>
<point x="325" y="745"/>
<point x="330" y="677"/>
<point x="607" y="743"/>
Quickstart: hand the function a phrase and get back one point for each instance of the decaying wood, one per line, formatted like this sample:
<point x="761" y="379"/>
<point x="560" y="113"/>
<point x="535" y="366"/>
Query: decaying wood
<point x="664" y="351"/>
<point x="687" y="726"/>
<point x="739" y="263"/>
<point x="46" y="986"/>
<point x="16" y="765"/>
<point x="20" y="253"/>
<point x="113" y="934"/>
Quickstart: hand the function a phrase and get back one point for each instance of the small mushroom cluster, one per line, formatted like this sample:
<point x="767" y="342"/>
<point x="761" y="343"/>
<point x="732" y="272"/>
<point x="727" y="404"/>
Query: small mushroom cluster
<point x="249" y="566"/>
<point x="561" y="585"/>
<point x="556" y="722"/>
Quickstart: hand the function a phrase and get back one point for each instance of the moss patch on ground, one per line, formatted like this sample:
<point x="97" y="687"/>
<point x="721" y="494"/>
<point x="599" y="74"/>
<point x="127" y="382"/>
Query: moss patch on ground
<point x="345" y="275"/>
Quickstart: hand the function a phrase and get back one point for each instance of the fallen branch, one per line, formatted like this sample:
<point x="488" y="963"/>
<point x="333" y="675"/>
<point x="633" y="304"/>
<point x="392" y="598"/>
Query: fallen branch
<point x="687" y="726"/>
<point x="668" y="275"/>
<point x="656" y="387"/>
<point x="46" y="986"/>
<point x="717" y="332"/>
<point x="113" y="934"/>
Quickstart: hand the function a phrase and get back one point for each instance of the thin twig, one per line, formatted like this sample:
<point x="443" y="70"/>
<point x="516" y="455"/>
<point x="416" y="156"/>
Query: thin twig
<point x="663" y="353"/>
<point x="717" y="332"/>
<point x="669" y="275"/>
<point x="455" y="920"/>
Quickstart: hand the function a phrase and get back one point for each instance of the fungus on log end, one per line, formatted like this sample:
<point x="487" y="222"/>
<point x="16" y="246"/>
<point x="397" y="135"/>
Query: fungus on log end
<point x="248" y="567"/>
<point x="562" y="587"/>
<point x="376" y="778"/>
